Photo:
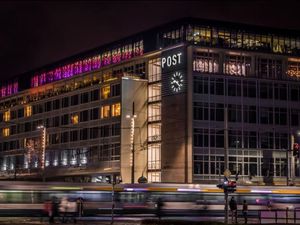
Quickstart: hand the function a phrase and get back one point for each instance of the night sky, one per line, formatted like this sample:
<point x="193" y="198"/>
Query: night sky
<point x="34" y="34"/>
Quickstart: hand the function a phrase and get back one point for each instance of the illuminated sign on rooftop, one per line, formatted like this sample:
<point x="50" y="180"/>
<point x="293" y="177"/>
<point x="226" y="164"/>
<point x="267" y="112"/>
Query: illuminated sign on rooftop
<point x="88" y="64"/>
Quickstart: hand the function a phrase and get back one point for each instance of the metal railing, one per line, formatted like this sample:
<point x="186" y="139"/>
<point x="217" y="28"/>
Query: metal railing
<point x="280" y="216"/>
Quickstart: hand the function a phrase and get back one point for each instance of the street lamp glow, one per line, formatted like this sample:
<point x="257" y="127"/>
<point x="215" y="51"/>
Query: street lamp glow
<point x="43" y="144"/>
<point x="132" y="158"/>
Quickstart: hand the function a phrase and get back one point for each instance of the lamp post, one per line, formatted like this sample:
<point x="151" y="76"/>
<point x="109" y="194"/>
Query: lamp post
<point x="43" y="148"/>
<point x="226" y="160"/>
<point x="132" y="118"/>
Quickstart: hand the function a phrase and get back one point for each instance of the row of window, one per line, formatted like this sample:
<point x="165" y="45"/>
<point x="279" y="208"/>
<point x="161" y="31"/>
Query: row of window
<point x="110" y="130"/>
<point x="28" y="110"/>
<point x="238" y="39"/>
<point x="246" y="88"/>
<point x="247" y="166"/>
<point x="238" y="139"/>
<point x="246" y="114"/>
<point x="62" y="158"/>
<point x="207" y="62"/>
<point x="106" y="111"/>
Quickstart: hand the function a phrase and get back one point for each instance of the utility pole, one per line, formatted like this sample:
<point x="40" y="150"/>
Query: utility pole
<point x="43" y="147"/>
<point x="226" y="160"/>
<point x="132" y="124"/>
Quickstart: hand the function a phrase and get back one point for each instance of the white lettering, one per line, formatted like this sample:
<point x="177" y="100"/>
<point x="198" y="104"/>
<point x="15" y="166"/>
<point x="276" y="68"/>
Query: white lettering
<point x="169" y="61"/>
<point x="179" y="57"/>
<point x="163" y="61"/>
<point x="172" y="60"/>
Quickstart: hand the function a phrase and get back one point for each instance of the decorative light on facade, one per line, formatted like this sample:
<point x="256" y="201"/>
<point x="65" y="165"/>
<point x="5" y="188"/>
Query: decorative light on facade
<point x="43" y="145"/>
<point x="88" y="64"/>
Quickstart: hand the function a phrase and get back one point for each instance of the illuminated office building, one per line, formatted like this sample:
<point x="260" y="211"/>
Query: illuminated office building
<point x="154" y="104"/>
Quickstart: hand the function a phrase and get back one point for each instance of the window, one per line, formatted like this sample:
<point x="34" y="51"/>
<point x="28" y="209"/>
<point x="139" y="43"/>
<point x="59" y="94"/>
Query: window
<point x="266" y="90"/>
<point x="5" y="132"/>
<point x="64" y="137"/>
<point x="154" y="92"/>
<point x="28" y="110"/>
<point x="200" y="85"/>
<point x="116" y="109"/>
<point x="105" y="92"/>
<point x="94" y="132"/>
<point x="115" y="129"/>
<point x="154" y="158"/>
<point x="95" y="95"/>
<point x="293" y="69"/>
<point x="154" y="70"/>
<point x="65" y="119"/>
<point x="206" y="62"/>
<point x="84" y="97"/>
<point x="234" y="88"/>
<point x="94" y="114"/>
<point x="115" y="90"/>
<point x="74" y="119"/>
<point x="201" y="111"/>
<point x="84" y="116"/>
<point x="20" y="113"/>
<point x="55" y="121"/>
<point x="104" y="131"/>
<point x="236" y="65"/>
<point x="201" y="137"/>
<point x="154" y="112"/>
<point x="154" y="132"/>
<point x="105" y="111"/>
<point x="65" y="102"/>
<point x="74" y="100"/>
<point x="74" y="135"/>
<point x="48" y="106"/>
<point x="56" y="104"/>
<point x="84" y="134"/>
<point x="269" y="68"/>
<point x="266" y="115"/>
<point x="6" y="116"/>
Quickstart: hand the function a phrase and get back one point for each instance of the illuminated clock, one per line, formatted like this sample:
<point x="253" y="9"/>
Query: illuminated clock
<point x="176" y="82"/>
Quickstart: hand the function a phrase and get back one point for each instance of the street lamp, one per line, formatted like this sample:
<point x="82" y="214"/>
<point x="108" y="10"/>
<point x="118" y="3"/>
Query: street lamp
<point x="43" y="148"/>
<point x="132" y="161"/>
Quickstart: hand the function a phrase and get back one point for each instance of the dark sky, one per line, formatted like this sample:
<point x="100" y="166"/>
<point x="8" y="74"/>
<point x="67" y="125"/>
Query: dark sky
<point x="36" y="33"/>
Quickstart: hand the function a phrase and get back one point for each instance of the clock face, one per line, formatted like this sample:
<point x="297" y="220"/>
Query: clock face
<point x="176" y="81"/>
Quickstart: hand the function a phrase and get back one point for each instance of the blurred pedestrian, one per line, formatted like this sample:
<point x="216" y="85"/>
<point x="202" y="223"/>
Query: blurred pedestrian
<point x="55" y="206"/>
<point x="245" y="211"/>
<point x="159" y="205"/>
<point x="63" y="208"/>
<point x="233" y="209"/>
<point x="269" y="205"/>
<point x="48" y="210"/>
<point x="79" y="202"/>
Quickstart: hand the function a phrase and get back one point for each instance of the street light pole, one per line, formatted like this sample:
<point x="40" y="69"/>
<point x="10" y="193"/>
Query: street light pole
<point x="43" y="146"/>
<point x="132" y="118"/>
<point x="226" y="160"/>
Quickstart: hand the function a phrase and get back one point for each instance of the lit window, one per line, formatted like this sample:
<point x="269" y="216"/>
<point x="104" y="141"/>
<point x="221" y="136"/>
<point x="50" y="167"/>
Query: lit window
<point x="28" y="110"/>
<point x="6" y="116"/>
<point x="5" y="132"/>
<point x="116" y="109"/>
<point x="74" y="119"/>
<point x="105" y="92"/>
<point x="105" y="111"/>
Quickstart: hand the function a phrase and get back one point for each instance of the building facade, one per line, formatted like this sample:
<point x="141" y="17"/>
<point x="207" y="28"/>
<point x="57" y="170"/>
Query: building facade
<point x="153" y="105"/>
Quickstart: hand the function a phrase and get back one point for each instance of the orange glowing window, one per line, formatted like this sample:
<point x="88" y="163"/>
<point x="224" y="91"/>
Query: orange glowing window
<point x="105" y="111"/>
<point x="5" y="132"/>
<point x="6" y="116"/>
<point x="74" y="119"/>
<point x="105" y="92"/>
<point x="116" y="109"/>
<point x="28" y="110"/>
